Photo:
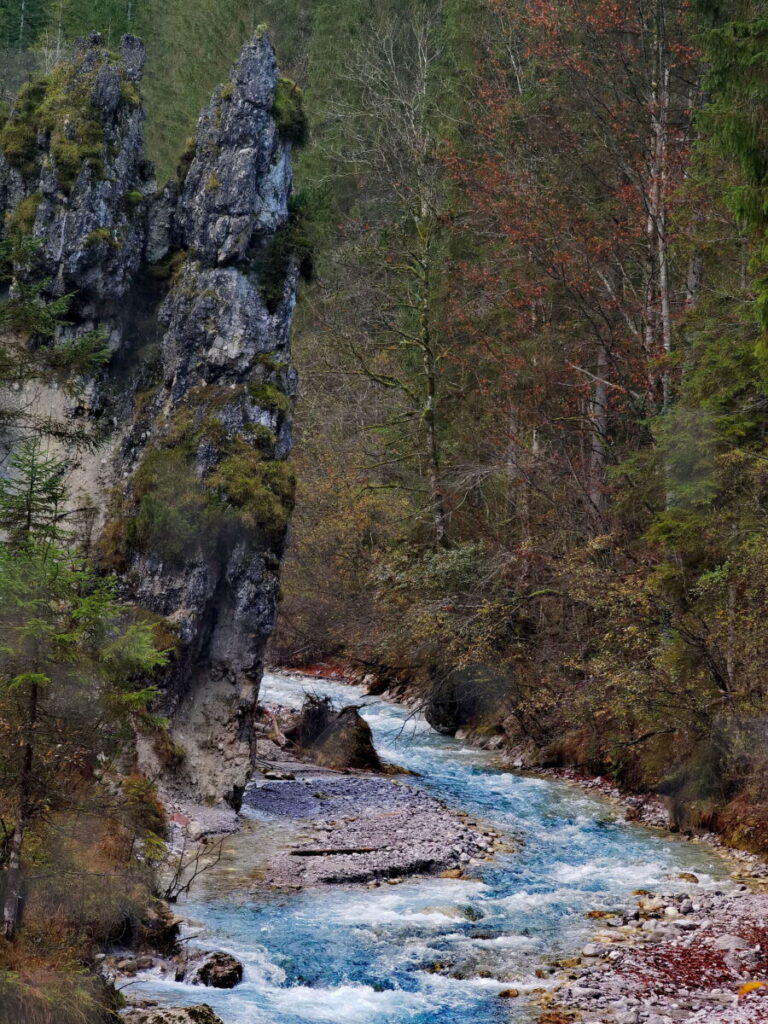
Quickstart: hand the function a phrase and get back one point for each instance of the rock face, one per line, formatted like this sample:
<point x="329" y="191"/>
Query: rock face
<point x="73" y="174"/>
<point x="193" y="288"/>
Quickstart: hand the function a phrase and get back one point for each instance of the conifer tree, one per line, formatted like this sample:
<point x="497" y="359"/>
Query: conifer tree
<point x="736" y="45"/>
<point x="69" y="656"/>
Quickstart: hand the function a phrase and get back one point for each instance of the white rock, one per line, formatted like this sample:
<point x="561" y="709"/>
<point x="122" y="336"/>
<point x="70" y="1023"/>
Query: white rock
<point x="730" y="942"/>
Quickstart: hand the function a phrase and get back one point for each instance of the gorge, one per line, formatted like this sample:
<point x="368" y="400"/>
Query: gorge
<point x="383" y="507"/>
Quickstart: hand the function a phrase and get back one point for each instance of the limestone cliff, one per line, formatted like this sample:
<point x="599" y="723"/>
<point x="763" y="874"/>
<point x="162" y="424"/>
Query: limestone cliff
<point x="190" y="419"/>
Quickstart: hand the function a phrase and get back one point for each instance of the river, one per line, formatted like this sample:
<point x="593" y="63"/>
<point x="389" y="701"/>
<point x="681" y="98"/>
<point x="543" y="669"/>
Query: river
<point x="341" y="955"/>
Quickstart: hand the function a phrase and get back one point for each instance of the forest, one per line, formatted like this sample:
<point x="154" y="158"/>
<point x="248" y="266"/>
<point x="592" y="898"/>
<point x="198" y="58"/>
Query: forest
<point x="531" y="427"/>
<point x="530" y="434"/>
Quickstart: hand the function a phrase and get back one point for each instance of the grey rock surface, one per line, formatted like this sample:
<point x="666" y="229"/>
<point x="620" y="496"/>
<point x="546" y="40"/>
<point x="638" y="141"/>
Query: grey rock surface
<point x="215" y="969"/>
<point x="90" y="215"/>
<point x="239" y="180"/>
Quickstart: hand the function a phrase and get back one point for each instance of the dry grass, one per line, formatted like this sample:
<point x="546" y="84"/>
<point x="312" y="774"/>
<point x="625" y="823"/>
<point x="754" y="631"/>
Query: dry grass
<point x="39" y="990"/>
<point x="84" y="890"/>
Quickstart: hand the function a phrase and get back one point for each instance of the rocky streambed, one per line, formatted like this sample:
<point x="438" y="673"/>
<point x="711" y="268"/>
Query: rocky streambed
<point x="691" y="957"/>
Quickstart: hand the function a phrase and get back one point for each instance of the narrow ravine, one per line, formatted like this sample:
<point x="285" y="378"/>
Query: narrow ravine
<point x="429" y="949"/>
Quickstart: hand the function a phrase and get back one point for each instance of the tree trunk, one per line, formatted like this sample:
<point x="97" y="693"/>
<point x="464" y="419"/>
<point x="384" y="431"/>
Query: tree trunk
<point x="22" y="19"/>
<point x="665" y="308"/>
<point x="12" y="901"/>
<point x="439" y="518"/>
<point x="598" y="419"/>
<point x="437" y="495"/>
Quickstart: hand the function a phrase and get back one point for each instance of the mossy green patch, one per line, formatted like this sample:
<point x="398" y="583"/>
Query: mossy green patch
<point x="21" y="221"/>
<point x="288" y="112"/>
<point x="18" y="137"/>
<point x="263" y="438"/>
<point x="271" y="364"/>
<point x="67" y="115"/>
<point x="269" y="398"/>
<point x="262" y="490"/>
<point x="101" y="236"/>
<point x="176" y="510"/>
<point x="293" y="244"/>
<point x="19" y="144"/>
<point x="59" y="108"/>
<point x="142" y="400"/>
<point x="129" y="93"/>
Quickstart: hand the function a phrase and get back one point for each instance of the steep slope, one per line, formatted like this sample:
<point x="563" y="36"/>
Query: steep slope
<point x="184" y="432"/>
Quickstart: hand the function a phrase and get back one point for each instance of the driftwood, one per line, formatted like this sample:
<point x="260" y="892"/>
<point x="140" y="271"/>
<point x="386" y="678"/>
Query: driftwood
<point x="330" y="851"/>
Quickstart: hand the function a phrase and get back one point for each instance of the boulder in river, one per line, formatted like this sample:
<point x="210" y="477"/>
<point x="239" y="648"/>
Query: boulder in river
<point x="472" y="697"/>
<point x="217" y="970"/>
<point x="334" y="739"/>
<point x="347" y="743"/>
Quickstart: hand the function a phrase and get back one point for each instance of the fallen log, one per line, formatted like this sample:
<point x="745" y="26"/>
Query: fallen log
<point x="334" y="850"/>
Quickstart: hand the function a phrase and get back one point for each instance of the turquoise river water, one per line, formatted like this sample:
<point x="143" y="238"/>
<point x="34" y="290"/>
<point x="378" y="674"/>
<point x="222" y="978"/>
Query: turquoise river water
<point x="343" y="955"/>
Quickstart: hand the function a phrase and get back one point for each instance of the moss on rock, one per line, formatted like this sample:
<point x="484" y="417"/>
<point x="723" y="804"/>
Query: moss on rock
<point x="269" y="398"/>
<point x="288" y="112"/>
<point x="177" y="509"/>
<point x="101" y="236"/>
<point x="58" y="113"/>
<point x="21" y="221"/>
<point x="261" y="490"/>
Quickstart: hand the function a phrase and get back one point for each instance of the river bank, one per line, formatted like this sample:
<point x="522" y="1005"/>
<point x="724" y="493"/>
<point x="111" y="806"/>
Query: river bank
<point x="325" y="827"/>
<point x="674" y="957"/>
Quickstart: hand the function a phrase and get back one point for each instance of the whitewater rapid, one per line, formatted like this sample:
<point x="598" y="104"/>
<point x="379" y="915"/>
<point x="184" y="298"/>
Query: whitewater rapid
<point x="429" y="950"/>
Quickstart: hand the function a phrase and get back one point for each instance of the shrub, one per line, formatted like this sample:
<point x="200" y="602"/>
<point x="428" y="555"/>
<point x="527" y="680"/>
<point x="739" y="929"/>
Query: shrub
<point x="22" y="220"/>
<point x="100" y="236"/>
<point x="288" y="112"/>
<point x="18" y="138"/>
<point x="293" y="244"/>
<point x="42" y="995"/>
<point x="262" y="491"/>
<point x="186" y="158"/>
<point x="269" y="398"/>
<point x="144" y="809"/>
<point x="174" y="510"/>
<point x="19" y="144"/>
